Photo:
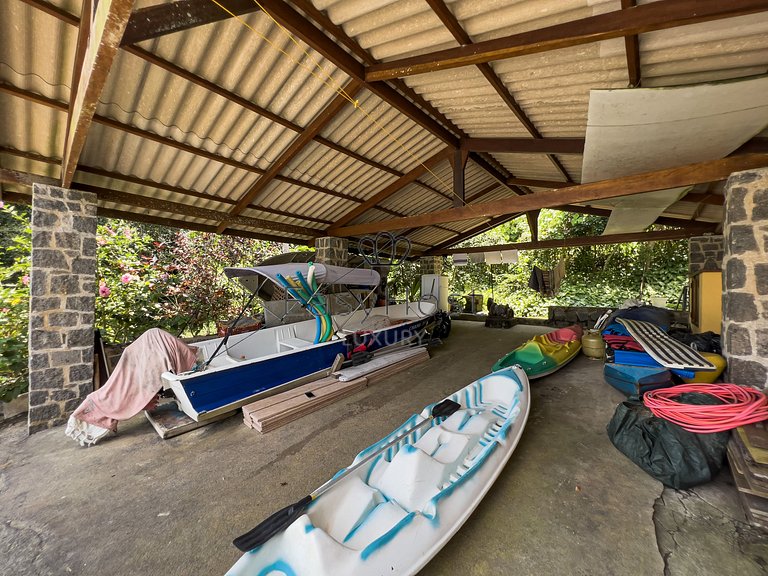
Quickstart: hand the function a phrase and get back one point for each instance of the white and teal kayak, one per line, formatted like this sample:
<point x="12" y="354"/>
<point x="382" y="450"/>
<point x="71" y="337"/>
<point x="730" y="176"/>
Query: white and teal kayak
<point x="393" y="513"/>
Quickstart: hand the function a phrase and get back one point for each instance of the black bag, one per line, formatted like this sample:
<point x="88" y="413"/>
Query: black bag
<point x="677" y="458"/>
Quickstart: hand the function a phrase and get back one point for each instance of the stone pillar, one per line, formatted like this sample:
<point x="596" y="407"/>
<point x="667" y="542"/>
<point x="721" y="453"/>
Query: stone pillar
<point x="705" y="253"/>
<point x="332" y="250"/>
<point x="431" y="264"/>
<point x="745" y="282"/>
<point x="61" y="306"/>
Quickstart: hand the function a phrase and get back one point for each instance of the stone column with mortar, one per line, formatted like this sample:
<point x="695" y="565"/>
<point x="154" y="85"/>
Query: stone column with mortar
<point x="61" y="306"/>
<point x="745" y="281"/>
<point x="431" y="265"/>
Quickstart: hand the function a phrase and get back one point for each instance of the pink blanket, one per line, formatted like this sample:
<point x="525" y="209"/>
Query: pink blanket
<point x="136" y="379"/>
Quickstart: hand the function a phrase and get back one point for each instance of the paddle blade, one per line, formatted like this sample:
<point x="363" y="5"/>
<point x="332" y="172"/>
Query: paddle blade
<point x="275" y="524"/>
<point x="445" y="409"/>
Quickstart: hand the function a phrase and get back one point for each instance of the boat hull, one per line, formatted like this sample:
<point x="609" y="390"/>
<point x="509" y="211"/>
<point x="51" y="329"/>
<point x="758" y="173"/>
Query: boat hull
<point x="394" y="513"/>
<point x="237" y="381"/>
<point x="544" y="354"/>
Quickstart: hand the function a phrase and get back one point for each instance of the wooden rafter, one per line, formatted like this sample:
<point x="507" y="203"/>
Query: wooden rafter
<point x="619" y="23"/>
<point x="184" y="192"/>
<point x="170" y="142"/>
<point x="459" y="163"/>
<point x="392" y="189"/>
<point x="210" y="86"/>
<point x="710" y="171"/>
<point x="474" y="231"/>
<point x="454" y="27"/>
<point x="632" y="47"/>
<point x="525" y="145"/>
<point x="314" y="128"/>
<point x="99" y="41"/>
<point x="680" y="222"/>
<point x="579" y="241"/>
<point x="151" y="203"/>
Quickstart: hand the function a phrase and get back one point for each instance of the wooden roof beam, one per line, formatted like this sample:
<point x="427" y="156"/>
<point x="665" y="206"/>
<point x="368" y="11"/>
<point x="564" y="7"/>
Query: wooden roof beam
<point x="451" y="22"/>
<point x="314" y="128"/>
<point x="392" y="189"/>
<point x="98" y="42"/>
<point x="618" y="23"/>
<point x="653" y="236"/>
<point x="84" y="169"/>
<point x="697" y="173"/>
<point x="524" y="145"/>
<point x="208" y="85"/>
<point x="632" y="48"/>
<point x="31" y="96"/>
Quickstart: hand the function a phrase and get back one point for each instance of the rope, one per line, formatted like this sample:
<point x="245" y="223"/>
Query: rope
<point x="332" y="84"/>
<point x="740" y="405"/>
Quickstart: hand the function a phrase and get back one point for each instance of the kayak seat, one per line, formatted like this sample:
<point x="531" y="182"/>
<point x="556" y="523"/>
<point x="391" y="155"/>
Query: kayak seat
<point x="356" y="499"/>
<point x="380" y="520"/>
<point x="411" y="479"/>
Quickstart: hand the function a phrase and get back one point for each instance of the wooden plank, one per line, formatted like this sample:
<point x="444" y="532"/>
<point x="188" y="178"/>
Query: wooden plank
<point x="549" y="184"/>
<point x="631" y="21"/>
<point x="697" y="173"/>
<point x="524" y="145"/>
<point x="105" y="31"/>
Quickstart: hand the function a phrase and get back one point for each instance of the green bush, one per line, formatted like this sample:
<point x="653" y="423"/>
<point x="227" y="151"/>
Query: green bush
<point x="14" y="302"/>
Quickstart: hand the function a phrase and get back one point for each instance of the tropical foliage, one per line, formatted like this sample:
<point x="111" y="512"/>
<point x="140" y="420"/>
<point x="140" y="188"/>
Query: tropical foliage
<point x="14" y="300"/>
<point x="153" y="276"/>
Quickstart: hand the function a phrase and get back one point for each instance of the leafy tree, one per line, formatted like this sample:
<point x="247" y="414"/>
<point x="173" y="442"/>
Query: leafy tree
<point x="14" y="301"/>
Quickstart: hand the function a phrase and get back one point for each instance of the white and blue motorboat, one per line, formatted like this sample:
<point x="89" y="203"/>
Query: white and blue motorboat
<point x="238" y="369"/>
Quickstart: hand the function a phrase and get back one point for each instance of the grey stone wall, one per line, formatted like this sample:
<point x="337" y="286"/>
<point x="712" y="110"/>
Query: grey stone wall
<point x="745" y="282"/>
<point x="61" y="307"/>
<point x="332" y="250"/>
<point x="705" y="253"/>
<point x="431" y="264"/>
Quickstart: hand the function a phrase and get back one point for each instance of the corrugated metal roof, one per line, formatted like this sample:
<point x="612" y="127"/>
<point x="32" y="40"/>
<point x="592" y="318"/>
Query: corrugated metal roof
<point x="322" y="183"/>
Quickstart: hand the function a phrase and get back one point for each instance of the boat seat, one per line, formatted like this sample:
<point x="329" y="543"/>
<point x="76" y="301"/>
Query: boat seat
<point x="294" y="343"/>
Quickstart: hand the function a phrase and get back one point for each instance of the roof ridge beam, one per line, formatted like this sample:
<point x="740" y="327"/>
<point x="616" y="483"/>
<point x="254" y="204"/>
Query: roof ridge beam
<point x="615" y="24"/>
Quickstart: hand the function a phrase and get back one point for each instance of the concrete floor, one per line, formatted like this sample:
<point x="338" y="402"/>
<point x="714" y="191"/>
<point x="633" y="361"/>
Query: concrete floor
<point x="567" y="503"/>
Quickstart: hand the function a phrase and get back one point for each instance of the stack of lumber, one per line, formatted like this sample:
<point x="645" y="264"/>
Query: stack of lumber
<point x="275" y="411"/>
<point x="748" y="457"/>
<point x="385" y="365"/>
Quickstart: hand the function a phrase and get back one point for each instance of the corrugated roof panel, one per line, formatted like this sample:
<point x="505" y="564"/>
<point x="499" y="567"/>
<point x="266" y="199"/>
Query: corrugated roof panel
<point x="710" y="51"/>
<point x="125" y="153"/>
<point x="274" y="73"/>
<point x="37" y="52"/>
<point x="325" y="167"/>
<point x="31" y="127"/>
<point x="382" y="133"/>
<point x="535" y="166"/>
<point x="290" y="198"/>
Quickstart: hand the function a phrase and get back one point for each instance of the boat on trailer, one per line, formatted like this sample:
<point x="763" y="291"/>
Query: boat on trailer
<point x="238" y="369"/>
<point x="398" y="505"/>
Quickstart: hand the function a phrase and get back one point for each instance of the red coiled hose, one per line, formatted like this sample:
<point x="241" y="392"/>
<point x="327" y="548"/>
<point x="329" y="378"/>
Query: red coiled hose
<point x="742" y="405"/>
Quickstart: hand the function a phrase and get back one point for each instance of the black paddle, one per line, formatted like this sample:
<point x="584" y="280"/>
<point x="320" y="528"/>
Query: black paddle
<point x="281" y="519"/>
